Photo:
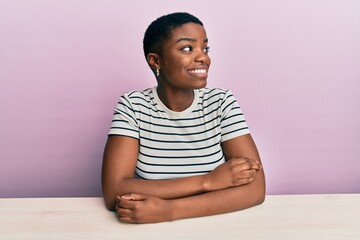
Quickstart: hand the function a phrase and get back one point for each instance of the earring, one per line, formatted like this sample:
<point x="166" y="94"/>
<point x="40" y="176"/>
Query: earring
<point x="158" y="72"/>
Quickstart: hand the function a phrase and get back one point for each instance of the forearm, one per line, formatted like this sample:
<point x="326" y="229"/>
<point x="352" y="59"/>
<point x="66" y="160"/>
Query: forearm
<point x="220" y="201"/>
<point x="235" y="172"/>
<point x="165" y="189"/>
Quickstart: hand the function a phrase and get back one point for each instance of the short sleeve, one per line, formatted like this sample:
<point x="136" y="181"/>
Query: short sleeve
<point x="233" y="123"/>
<point x="124" y="121"/>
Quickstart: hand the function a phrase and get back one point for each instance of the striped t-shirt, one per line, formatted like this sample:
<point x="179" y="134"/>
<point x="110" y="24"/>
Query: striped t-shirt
<point x="178" y="144"/>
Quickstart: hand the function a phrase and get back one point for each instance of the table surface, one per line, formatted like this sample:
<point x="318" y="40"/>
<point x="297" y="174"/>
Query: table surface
<point x="302" y="217"/>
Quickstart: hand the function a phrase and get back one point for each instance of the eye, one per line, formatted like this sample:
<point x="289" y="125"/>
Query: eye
<point x="206" y="50"/>
<point x="187" y="49"/>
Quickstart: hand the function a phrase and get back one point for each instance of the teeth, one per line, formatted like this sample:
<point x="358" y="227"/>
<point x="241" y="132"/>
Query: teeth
<point x="198" y="71"/>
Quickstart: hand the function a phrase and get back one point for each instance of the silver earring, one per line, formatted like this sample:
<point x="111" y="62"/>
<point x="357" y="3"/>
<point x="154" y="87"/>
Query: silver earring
<point x="158" y="72"/>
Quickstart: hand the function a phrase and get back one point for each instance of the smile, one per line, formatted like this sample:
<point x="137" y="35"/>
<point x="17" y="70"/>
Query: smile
<point x="198" y="71"/>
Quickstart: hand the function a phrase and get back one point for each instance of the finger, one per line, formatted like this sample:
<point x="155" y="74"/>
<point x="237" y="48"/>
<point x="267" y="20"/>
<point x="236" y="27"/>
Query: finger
<point x="247" y="161"/>
<point x="249" y="165"/>
<point x="260" y="165"/>
<point x="123" y="212"/>
<point x="243" y="167"/>
<point x="256" y="165"/>
<point x="126" y="220"/>
<point x="124" y="203"/>
<point x="238" y="161"/>
<point x="124" y="215"/>
<point x="134" y="197"/>
<point x="243" y="181"/>
<point x="246" y="174"/>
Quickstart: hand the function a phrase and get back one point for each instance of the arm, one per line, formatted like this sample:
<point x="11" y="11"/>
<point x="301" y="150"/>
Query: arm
<point x="143" y="208"/>
<point x="119" y="163"/>
<point x="230" y="199"/>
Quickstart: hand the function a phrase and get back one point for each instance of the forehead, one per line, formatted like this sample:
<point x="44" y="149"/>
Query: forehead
<point x="188" y="30"/>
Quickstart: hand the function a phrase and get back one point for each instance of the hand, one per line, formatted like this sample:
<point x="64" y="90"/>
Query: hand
<point x="234" y="172"/>
<point x="141" y="208"/>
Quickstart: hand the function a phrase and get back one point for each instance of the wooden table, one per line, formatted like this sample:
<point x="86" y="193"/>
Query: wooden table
<point x="287" y="217"/>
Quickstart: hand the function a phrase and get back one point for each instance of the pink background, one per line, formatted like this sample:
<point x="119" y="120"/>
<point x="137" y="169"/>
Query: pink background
<point x="293" y="65"/>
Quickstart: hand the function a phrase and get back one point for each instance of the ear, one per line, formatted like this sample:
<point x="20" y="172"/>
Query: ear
<point x="153" y="60"/>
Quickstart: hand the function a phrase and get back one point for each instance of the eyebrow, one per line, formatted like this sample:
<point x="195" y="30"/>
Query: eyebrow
<point x="190" y="39"/>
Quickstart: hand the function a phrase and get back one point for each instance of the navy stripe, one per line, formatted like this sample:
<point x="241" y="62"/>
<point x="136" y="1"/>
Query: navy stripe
<point x="192" y="172"/>
<point x="181" y="157"/>
<point x="179" y="141"/>
<point x="233" y="123"/>
<point x="182" y="165"/>
<point x="147" y="107"/>
<point x="228" y="105"/>
<point x="128" y="129"/>
<point x="117" y="111"/>
<point x="145" y="93"/>
<point x="179" y="134"/>
<point x="179" y="149"/>
<point x="183" y="126"/>
<point x="212" y="96"/>
<point x="121" y="135"/>
<point x="119" y="120"/>
<point x="177" y="119"/>
<point x="234" y="115"/>
<point x="236" y="130"/>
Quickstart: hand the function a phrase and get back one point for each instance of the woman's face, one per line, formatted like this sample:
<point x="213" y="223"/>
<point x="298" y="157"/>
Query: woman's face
<point x="184" y="61"/>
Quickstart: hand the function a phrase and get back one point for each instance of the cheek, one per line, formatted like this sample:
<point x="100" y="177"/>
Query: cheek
<point x="179" y="66"/>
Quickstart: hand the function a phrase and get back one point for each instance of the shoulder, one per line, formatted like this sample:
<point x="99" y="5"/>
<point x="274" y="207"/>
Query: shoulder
<point x="215" y="94"/>
<point x="133" y="95"/>
<point x="137" y="97"/>
<point x="215" y="91"/>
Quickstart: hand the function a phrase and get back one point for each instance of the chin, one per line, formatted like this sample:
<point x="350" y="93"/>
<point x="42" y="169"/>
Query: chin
<point x="201" y="84"/>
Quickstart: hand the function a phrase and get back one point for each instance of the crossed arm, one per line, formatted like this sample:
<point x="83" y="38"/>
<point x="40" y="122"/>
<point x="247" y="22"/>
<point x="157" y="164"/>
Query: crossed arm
<point x="237" y="184"/>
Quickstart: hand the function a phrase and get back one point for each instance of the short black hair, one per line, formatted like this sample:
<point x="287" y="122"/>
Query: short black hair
<point x="161" y="29"/>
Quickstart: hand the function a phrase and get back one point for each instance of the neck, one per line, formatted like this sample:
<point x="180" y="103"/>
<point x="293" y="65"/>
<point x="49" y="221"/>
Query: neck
<point x="176" y="100"/>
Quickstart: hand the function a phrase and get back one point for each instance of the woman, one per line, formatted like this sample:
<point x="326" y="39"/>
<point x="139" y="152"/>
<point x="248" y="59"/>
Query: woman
<point x="179" y="150"/>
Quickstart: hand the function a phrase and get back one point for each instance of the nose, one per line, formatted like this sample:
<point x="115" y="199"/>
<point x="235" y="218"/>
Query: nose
<point x="201" y="56"/>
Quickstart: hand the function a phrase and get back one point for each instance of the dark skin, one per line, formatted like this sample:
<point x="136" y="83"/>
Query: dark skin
<point x="237" y="184"/>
